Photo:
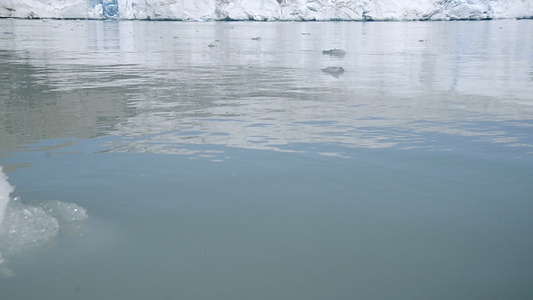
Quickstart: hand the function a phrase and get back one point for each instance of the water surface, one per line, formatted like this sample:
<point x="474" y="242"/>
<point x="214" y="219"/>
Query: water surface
<point x="218" y="161"/>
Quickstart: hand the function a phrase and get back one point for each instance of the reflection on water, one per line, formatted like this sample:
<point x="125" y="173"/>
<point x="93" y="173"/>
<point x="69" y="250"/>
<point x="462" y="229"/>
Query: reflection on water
<point x="162" y="87"/>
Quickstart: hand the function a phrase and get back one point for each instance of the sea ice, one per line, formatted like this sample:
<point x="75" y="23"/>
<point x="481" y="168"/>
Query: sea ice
<point x="5" y="190"/>
<point x="24" y="226"/>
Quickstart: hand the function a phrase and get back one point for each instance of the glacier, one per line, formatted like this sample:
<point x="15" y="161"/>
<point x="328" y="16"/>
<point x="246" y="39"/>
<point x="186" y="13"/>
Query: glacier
<point x="269" y="10"/>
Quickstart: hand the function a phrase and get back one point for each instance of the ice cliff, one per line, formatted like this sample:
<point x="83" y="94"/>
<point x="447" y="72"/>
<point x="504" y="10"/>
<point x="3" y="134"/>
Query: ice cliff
<point x="269" y="10"/>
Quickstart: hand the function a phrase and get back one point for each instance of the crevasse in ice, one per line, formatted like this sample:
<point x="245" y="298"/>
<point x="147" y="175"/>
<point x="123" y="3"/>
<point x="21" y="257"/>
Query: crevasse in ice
<point x="270" y="10"/>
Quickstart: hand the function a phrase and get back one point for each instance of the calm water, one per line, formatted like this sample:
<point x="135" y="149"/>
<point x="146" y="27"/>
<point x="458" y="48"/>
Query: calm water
<point x="218" y="160"/>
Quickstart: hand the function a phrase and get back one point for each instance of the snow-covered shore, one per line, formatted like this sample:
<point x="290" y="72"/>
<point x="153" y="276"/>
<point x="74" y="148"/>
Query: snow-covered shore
<point x="269" y="10"/>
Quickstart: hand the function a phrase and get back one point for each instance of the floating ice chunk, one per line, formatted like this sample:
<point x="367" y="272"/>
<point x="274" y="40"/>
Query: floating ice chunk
<point x="64" y="211"/>
<point x="24" y="226"/>
<point x="70" y="216"/>
<point x="334" y="52"/>
<point x="5" y="190"/>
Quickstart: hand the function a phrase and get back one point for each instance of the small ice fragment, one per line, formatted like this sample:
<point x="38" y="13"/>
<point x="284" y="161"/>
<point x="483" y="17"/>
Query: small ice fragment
<point x="334" y="52"/>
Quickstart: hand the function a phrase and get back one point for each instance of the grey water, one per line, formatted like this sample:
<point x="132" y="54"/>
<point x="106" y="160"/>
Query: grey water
<point x="218" y="160"/>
